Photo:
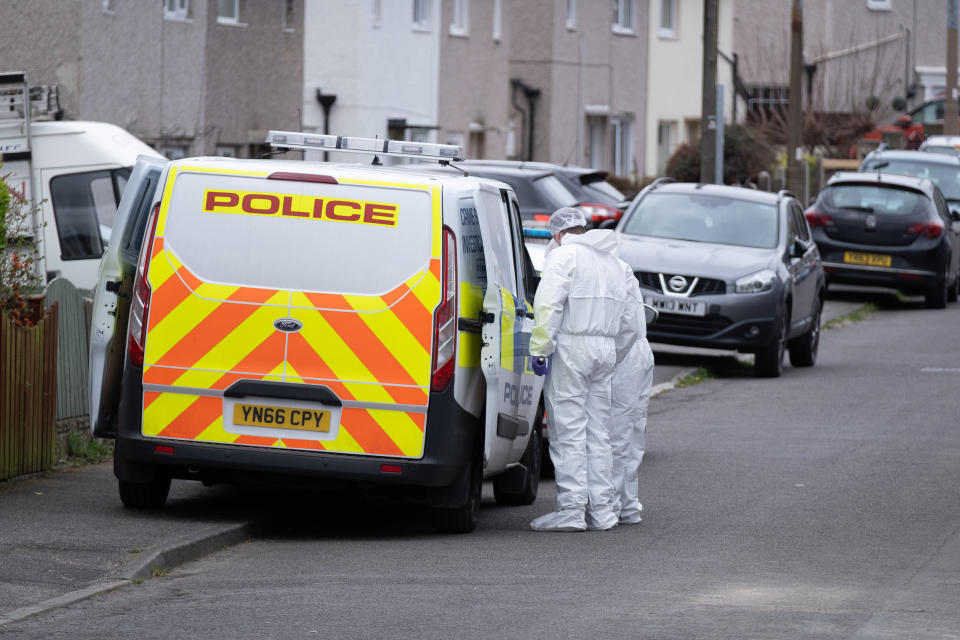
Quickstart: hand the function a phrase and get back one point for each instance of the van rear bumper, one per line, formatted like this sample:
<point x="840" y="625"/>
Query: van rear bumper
<point x="450" y="436"/>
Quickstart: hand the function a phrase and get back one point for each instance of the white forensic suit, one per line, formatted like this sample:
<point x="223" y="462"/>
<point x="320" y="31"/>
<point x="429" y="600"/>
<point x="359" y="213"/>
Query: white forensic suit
<point x="582" y="319"/>
<point x="632" y="381"/>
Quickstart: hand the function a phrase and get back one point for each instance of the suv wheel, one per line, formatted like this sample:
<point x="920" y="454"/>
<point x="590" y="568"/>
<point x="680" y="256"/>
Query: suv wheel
<point x="954" y="290"/>
<point x="768" y="362"/>
<point x="803" y="350"/>
<point x="519" y="486"/>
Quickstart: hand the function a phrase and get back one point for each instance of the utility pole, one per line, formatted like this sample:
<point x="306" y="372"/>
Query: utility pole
<point x="795" y="120"/>
<point x="708" y="94"/>
<point x="950" y="109"/>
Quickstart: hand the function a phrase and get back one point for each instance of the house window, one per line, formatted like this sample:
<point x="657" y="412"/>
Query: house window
<point x="497" y="19"/>
<point x="621" y="145"/>
<point x="421" y="14"/>
<point x="377" y="14"/>
<point x="176" y="9"/>
<point x="289" y="20"/>
<point x="571" y="14"/>
<point x="458" y="18"/>
<point x="109" y="6"/>
<point x="225" y="151"/>
<point x="623" y="16"/>
<point x="666" y="141"/>
<point x="880" y="5"/>
<point x="668" y="19"/>
<point x="228" y="11"/>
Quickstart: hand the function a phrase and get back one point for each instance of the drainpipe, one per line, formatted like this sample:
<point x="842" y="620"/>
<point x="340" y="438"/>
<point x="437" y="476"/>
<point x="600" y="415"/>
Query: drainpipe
<point x="326" y="101"/>
<point x="531" y="94"/>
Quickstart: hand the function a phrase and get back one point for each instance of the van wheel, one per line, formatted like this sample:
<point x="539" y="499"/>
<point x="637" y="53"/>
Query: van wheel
<point x="463" y="519"/>
<point x="954" y="290"/>
<point x="768" y="362"/>
<point x="519" y="485"/>
<point x="145" y="495"/>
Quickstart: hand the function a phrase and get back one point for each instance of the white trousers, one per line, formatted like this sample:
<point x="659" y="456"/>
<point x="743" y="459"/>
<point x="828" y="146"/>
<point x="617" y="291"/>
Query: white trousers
<point x="632" y="381"/>
<point x="577" y="395"/>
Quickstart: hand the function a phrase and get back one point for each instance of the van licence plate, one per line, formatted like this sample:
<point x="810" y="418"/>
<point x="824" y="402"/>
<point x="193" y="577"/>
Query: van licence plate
<point x="258" y="415"/>
<point x="680" y="306"/>
<point x="867" y="259"/>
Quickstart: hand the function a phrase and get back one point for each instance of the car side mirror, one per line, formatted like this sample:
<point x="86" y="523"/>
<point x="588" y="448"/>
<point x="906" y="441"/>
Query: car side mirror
<point x="608" y="224"/>
<point x="650" y="314"/>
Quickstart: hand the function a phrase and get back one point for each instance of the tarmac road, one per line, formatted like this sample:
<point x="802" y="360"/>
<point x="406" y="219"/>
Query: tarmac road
<point x="823" y="504"/>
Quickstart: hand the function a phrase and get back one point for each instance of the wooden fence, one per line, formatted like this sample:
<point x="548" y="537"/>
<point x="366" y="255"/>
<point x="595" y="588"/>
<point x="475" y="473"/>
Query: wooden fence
<point x="28" y="395"/>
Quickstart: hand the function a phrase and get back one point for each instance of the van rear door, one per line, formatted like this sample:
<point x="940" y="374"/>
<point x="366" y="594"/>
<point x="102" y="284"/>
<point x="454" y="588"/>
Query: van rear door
<point x="292" y="310"/>
<point x="111" y="303"/>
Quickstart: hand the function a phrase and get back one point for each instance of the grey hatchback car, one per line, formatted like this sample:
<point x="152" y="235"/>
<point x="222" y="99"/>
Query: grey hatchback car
<point x="727" y="268"/>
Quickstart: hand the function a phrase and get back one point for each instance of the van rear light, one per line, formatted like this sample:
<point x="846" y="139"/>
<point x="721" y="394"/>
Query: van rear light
<point x="541" y="217"/>
<point x="815" y="219"/>
<point x="140" y="304"/>
<point x="445" y="317"/>
<point x="929" y="229"/>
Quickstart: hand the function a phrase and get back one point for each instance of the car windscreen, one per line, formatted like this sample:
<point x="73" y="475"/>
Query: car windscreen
<point x="304" y="236"/>
<point x="879" y="199"/>
<point x="705" y="218"/>
<point x="557" y="194"/>
<point x="945" y="176"/>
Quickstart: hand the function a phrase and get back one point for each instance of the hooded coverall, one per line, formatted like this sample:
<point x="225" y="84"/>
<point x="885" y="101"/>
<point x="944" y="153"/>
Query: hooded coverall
<point x="584" y="316"/>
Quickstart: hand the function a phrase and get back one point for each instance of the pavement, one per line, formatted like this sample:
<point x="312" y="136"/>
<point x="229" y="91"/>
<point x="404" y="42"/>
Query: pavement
<point x="66" y="537"/>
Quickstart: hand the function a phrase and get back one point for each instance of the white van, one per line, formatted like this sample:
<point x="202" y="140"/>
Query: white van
<point x="317" y="323"/>
<point x="76" y="171"/>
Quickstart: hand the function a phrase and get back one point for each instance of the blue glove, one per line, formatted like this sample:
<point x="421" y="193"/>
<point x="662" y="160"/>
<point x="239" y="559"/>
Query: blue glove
<point x="541" y="365"/>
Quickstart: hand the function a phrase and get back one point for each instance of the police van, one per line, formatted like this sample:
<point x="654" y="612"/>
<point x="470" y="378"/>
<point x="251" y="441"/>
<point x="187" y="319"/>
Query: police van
<point x="318" y="323"/>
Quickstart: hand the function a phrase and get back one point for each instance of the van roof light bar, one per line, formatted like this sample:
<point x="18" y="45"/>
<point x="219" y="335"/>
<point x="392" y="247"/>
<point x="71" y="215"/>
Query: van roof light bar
<point x="306" y="142"/>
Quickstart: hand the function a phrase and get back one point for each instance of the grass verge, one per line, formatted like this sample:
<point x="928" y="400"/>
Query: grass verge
<point x="82" y="448"/>
<point x="856" y="315"/>
<point x="700" y="375"/>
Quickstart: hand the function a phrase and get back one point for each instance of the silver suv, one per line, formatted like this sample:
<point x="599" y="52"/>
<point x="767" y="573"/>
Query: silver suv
<point x="727" y="268"/>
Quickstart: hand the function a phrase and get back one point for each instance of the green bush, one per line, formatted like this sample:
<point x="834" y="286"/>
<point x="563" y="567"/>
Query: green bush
<point x="18" y="255"/>
<point x="746" y="153"/>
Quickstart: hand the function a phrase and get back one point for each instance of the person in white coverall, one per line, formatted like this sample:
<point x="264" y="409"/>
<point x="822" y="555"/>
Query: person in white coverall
<point x="584" y="322"/>
<point x="632" y="381"/>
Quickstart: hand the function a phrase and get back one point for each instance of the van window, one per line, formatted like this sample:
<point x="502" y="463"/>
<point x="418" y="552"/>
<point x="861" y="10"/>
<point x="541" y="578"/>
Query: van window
<point x="337" y="238"/>
<point x="84" y="205"/>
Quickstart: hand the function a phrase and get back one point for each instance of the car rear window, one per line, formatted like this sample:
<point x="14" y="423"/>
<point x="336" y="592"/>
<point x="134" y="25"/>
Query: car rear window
<point x="705" y="218"/>
<point x="607" y="189"/>
<point x="946" y="177"/>
<point x="557" y="194"/>
<point x="881" y="199"/>
<point x="288" y="245"/>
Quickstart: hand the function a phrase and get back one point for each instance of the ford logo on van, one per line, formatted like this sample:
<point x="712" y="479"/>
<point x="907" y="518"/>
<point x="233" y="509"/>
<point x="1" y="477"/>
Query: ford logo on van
<point x="288" y="325"/>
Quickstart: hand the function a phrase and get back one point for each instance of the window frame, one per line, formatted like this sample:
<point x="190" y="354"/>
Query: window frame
<point x="620" y="9"/>
<point x="497" y="20"/>
<point x="571" y="15"/>
<point x="880" y="5"/>
<point x="668" y="32"/>
<point x="460" y="18"/>
<point x="421" y="9"/>
<point x="60" y="207"/>
<point x="180" y="11"/>
<point x="289" y="11"/>
<point x="227" y="20"/>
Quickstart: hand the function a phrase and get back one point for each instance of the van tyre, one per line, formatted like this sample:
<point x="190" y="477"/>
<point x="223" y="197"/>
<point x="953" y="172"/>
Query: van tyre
<point x="145" y="495"/>
<point x="954" y="291"/>
<point x="768" y="362"/>
<point x="803" y="350"/>
<point x="463" y="518"/>
<point x="519" y="485"/>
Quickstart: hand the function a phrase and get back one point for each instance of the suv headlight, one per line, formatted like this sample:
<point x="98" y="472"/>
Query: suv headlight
<point x="757" y="282"/>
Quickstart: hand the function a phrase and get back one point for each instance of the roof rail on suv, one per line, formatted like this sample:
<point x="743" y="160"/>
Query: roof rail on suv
<point x="785" y="193"/>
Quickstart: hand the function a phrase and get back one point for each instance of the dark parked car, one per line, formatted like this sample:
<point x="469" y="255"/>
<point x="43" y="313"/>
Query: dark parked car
<point x="727" y="268"/>
<point x="599" y="199"/>
<point x="881" y="229"/>
<point x="539" y="191"/>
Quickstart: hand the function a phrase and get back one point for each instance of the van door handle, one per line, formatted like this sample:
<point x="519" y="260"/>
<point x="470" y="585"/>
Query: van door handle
<point x="113" y="286"/>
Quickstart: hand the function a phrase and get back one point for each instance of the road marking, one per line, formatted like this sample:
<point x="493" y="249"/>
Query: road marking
<point x="954" y="370"/>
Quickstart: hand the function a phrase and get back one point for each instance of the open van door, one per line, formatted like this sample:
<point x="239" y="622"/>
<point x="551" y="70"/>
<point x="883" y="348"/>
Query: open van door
<point x="111" y="303"/>
<point x="498" y="355"/>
